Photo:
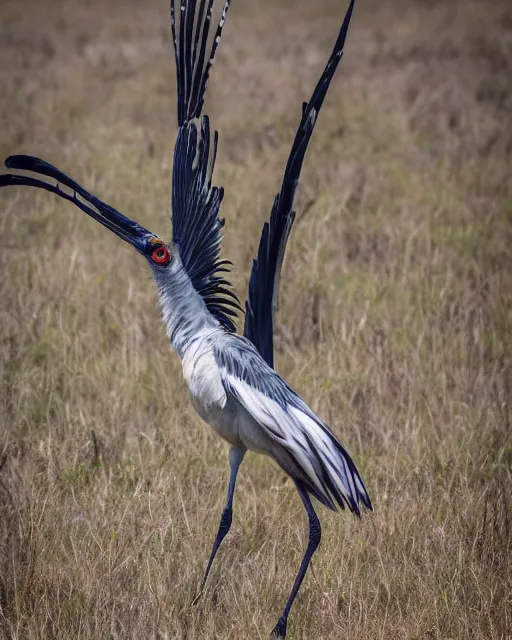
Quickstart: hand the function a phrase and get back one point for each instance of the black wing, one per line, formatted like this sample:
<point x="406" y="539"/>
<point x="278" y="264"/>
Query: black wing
<point x="195" y="203"/>
<point x="266" y="268"/>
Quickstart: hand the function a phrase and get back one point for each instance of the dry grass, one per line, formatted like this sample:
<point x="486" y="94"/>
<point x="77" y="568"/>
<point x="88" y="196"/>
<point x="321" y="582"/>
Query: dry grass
<point x="395" y="324"/>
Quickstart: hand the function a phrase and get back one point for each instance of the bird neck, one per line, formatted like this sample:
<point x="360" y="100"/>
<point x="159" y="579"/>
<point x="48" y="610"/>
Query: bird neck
<point x="183" y="310"/>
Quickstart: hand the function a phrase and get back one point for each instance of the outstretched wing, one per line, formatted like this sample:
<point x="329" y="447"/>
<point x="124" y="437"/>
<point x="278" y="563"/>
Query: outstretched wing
<point x="195" y="203"/>
<point x="266" y="268"/>
<point x="312" y="452"/>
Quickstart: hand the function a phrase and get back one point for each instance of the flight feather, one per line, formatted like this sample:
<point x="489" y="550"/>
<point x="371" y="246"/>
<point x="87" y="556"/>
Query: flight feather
<point x="197" y="226"/>
<point x="263" y="291"/>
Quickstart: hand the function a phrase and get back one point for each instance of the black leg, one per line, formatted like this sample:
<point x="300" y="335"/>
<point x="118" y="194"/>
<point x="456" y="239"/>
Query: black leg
<point x="236" y="456"/>
<point x="315" y="534"/>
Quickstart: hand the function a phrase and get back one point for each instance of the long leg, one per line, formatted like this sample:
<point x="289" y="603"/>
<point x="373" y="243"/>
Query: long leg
<point x="236" y="455"/>
<point x="315" y="534"/>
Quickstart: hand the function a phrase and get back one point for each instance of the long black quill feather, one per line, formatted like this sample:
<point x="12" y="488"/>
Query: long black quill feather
<point x="266" y="269"/>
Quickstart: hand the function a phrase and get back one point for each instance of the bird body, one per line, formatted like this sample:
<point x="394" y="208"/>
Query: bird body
<point x="246" y="401"/>
<point x="249" y="404"/>
<point x="231" y="378"/>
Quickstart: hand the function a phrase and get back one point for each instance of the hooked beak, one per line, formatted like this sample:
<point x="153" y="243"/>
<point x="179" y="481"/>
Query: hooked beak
<point x="123" y="227"/>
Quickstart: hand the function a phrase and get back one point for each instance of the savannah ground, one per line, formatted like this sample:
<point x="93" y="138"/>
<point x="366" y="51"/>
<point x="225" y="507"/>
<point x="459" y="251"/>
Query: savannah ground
<point x="395" y="324"/>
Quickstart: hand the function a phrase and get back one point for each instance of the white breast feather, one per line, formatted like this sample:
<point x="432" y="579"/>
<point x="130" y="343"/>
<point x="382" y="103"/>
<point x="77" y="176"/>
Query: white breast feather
<point x="202" y="376"/>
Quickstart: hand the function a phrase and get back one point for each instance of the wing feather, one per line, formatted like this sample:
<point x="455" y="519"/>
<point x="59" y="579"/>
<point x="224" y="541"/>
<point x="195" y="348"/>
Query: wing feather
<point x="325" y="465"/>
<point x="196" y="203"/>
<point x="262" y="300"/>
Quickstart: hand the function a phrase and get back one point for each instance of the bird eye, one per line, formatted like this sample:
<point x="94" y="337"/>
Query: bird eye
<point x="161" y="256"/>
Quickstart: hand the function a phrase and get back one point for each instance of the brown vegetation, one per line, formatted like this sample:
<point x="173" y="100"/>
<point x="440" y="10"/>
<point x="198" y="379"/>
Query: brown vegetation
<point x="395" y="324"/>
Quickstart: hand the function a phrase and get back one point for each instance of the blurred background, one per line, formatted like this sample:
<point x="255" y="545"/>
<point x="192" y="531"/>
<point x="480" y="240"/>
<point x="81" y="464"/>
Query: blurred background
<point x="395" y="324"/>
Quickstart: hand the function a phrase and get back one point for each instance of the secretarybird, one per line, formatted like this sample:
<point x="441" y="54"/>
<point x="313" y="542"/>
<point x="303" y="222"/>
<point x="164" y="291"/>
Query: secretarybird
<point x="231" y="378"/>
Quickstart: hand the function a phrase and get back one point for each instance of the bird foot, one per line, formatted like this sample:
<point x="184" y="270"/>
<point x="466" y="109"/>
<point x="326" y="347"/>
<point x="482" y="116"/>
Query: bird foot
<point x="279" y="631"/>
